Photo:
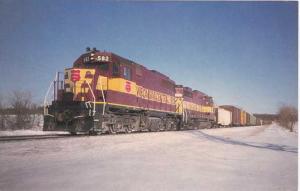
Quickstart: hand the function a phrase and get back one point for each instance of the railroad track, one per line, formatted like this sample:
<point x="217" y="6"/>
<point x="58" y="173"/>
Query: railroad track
<point x="32" y="137"/>
<point x="55" y="136"/>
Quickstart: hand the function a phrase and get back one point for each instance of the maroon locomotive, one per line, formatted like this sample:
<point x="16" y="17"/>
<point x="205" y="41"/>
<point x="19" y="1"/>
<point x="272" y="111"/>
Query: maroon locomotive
<point x="104" y="92"/>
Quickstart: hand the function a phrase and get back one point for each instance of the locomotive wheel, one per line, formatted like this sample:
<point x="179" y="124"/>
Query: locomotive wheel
<point x="151" y="127"/>
<point x="179" y="125"/>
<point x="129" y="128"/>
<point x="112" y="129"/>
<point x="169" y="125"/>
<point x="73" y="133"/>
<point x="76" y="127"/>
<point x="92" y="133"/>
<point x="161" y="127"/>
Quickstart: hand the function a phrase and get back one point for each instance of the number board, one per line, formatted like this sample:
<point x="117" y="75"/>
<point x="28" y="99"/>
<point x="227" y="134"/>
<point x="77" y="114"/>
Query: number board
<point x="102" y="58"/>
<point x="99" y="58"/>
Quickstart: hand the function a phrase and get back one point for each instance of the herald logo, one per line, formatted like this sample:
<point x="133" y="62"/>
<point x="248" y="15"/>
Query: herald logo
<point x="75" y="75"/>
<point x="128" y="86"/>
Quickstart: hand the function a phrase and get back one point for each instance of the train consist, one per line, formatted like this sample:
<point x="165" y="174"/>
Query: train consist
<point x="229" y="115"/>
<point x="106" y="93"/>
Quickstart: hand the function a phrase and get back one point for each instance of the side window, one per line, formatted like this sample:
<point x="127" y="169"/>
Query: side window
<point x="167" y="84"/>
<point x="127" y="73"/>
<point x="188" y="94"/>
<point x="66" y="75"/>
<point x="104" y="67"/>
<point x="116" y="69"/>
<point x="138" y="71"/>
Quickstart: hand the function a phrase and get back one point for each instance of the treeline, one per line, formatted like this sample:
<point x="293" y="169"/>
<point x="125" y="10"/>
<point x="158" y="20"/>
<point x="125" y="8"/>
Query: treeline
<point x="19" y="112"/>
<point x="266" y="118"/>
<point x="12" y="111"/>
<point x="286" y="117"/>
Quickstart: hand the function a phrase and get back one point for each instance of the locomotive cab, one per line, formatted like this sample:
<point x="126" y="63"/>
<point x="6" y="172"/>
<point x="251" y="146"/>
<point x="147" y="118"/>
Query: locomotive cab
<point x="74" y="102"/>
<point x="83" y="96"/>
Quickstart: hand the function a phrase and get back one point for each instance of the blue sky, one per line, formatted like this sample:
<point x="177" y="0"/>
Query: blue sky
<point x="241" y="53"/>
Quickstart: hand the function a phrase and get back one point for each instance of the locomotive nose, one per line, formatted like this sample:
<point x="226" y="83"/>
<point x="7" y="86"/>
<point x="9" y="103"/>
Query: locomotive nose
<point x="75" y="75"/>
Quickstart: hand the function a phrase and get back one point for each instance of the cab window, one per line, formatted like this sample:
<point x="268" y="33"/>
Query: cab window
<point x="103" y="67"/>
<point x="127" y="73"/>
<point x="116" y="69"/>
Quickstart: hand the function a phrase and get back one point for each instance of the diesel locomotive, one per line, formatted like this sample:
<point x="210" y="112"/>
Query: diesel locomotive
<point x="106" y="93"/>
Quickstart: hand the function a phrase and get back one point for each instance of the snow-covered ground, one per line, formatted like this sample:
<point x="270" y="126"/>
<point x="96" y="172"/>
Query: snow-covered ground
<point x="246" y="158"/>
<point x="29" y="132"/>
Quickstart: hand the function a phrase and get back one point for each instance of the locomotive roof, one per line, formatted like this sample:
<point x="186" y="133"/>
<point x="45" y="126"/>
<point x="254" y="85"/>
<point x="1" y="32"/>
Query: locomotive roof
<point x="191" y="90"/>
<point x="120" y="58"/>
<point x="233" y="106"/>
<point x="134" y="63"/>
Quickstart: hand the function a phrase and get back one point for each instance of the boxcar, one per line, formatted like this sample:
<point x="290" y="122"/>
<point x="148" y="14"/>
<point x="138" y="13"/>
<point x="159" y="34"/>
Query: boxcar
<point x="247" y="119"/>
<point x="252" y="120"/>
<point x="223" y="116"/>
<point x="236" y="114"/>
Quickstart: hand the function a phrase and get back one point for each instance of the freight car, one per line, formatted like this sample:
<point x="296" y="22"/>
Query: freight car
<point x="248" y="119"/>
<point x="236" y="114"/>
<point x="252" y="120"/>
<point x="104" y="92"/>
<point x="223" y="117"/>
<point x="241" y="117"/>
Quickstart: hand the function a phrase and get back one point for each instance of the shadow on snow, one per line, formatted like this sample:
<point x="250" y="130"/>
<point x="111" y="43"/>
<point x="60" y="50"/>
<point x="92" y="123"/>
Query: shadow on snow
<point x="270" y="146"/>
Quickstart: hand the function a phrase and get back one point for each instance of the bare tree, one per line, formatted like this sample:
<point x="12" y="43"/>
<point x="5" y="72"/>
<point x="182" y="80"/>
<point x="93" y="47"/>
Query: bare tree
<point x="287" y="117"/>
<point x="21" y="103"/>
<point x="2" y="114"/>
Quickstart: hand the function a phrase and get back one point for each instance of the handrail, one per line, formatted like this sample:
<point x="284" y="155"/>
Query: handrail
<point x="45" y="99"/>
<point x="46" y="96"/>
<point x="94" y="102"/>
<point x="104" y="102"/>
<point x="54" y="86"/>
<point x="183" y="115"/>
<point x="186" y="116"/>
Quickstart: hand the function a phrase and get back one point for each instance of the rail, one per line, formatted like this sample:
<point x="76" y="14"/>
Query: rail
<point x="32" y="137"/>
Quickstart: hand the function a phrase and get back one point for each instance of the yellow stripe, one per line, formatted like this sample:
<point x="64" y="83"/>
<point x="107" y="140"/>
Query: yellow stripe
<point x="115" y="84"/>
<point x="196" y="107"/>
<point x="130" y="87"/>
<point x="103" y="83"/>
<point x="152" y="95"/>
<point x="122" y="85"/>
